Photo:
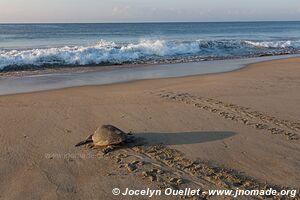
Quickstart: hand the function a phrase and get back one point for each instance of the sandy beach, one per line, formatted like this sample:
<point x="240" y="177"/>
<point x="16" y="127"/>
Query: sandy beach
<point x="218" y="131"/>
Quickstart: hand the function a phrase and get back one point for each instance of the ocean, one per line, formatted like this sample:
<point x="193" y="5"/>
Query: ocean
<point x="46" y="45"/>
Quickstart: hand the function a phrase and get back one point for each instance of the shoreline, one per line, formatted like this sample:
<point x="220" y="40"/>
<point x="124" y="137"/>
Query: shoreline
<point x="31" y="71"/>
<point x="80" y="72"/>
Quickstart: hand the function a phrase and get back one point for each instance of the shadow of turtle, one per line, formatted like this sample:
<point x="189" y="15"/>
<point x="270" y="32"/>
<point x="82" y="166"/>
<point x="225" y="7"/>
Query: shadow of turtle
<point x="181" y="138"/>
<point x="178" y="138"/>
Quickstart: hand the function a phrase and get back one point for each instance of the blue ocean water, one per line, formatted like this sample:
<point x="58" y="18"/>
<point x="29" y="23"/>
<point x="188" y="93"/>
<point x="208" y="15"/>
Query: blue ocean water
<point x="40" y="45"/>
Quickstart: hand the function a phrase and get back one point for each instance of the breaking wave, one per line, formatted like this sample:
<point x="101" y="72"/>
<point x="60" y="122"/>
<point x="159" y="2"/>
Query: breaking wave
<point x="276" y="44"/>
<point x="106" y="52"/>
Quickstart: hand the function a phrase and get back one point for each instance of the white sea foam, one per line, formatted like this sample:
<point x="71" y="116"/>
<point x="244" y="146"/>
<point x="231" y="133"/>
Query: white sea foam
<point x="106" y="52"/>
<point x="275" y="44"/>
<point x="102" y="52"/>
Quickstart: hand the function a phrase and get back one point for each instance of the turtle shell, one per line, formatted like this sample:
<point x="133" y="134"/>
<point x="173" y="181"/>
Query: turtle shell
<point x="108" y="135"/>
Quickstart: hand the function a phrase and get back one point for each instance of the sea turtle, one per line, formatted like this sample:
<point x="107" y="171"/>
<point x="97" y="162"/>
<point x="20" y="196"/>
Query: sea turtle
<point x="107" y="136"/>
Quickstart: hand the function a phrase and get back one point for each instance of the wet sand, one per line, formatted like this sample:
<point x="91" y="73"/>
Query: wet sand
<point x="49" y="79"/>
<point x="237" y="129"/>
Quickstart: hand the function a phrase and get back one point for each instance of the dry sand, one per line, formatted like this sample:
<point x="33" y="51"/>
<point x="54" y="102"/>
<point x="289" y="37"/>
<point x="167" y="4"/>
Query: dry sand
<point x="237" y="129"/>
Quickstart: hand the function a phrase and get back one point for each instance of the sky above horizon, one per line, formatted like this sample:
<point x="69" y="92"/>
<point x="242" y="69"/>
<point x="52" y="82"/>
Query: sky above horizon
<point x="27" y="11"/>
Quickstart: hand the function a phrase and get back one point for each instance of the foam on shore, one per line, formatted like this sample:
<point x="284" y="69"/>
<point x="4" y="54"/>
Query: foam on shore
<point x="144" y="51"/>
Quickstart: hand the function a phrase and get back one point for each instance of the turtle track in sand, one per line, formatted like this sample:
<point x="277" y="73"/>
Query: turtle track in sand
<point x="240" y="114"/>
<point x="168" y="168"/>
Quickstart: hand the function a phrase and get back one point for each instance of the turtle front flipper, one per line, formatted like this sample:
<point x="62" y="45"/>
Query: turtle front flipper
<point x="86" y="141"/>
<point x="108" y="149"/>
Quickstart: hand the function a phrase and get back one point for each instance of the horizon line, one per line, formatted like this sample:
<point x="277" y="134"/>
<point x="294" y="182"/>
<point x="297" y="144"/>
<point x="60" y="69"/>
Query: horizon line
<point x="145" y="22"/>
